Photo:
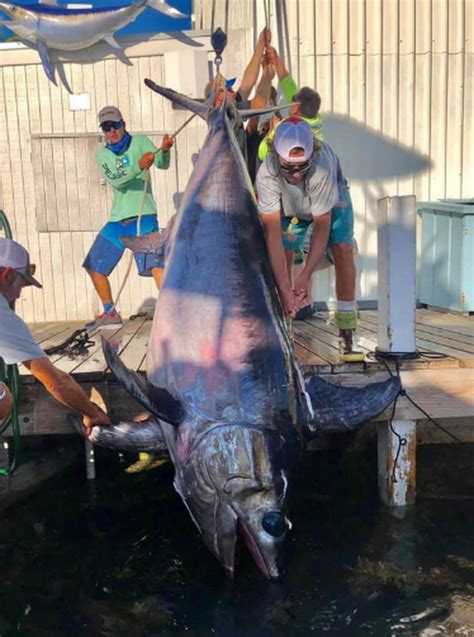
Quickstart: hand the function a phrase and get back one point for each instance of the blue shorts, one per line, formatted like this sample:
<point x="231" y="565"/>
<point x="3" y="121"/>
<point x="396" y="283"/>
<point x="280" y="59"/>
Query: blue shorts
<point x="341" y="231"/>
<point x="107" y="249"/>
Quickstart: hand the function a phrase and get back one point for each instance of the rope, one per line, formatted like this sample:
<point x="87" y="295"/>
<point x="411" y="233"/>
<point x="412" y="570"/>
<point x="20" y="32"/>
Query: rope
<point x="402" y="442"/>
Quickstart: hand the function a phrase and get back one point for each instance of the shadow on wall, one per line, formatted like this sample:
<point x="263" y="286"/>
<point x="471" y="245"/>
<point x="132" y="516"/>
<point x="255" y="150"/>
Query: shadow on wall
<point x="367" y="155"/>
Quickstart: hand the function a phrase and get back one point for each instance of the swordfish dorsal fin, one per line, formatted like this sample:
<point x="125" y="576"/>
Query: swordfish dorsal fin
<point x="340" y="409"/>
<point x="179" y="98"/>
<point x="157" y="400"/>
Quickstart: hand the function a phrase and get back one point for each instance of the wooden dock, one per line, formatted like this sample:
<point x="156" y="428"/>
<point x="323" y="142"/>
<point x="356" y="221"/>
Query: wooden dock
<point x="441" y="380"/>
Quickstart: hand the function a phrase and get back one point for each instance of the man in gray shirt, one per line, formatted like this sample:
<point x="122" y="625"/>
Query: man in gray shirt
<point x="299" y="183"/>
<point x="17" y="344"/>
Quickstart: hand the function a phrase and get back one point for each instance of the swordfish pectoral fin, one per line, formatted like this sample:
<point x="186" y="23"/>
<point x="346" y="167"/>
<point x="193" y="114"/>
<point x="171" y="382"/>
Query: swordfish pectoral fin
<point x="46" y="61"/>
<point x="157" y="400"/>
<point x="179" y="98"/>
<point x="340" y="409"/>
<point x="165" y="9"/>
<point x="124" y="436"/>
<point x="118" y="50"/>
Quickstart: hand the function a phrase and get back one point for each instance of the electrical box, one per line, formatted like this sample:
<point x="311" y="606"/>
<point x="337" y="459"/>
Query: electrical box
<point x="187" y="72"/>
<point x="447" y="254"/>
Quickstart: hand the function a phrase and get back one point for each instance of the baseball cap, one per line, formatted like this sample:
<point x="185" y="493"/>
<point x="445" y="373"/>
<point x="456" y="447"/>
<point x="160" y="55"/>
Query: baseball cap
<point x="290" y="134"/>
<point x="109" y="114"/>
<point x="13" y="255"/>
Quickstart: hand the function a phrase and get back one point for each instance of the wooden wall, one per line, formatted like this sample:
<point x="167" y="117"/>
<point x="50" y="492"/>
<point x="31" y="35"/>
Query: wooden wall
<point x="402" y="68"/>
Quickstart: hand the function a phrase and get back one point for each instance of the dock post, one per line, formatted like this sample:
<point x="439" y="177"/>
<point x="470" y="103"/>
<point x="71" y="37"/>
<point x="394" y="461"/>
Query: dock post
<point x="396" y="339"/>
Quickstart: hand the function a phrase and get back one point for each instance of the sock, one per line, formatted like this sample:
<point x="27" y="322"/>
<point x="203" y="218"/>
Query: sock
<point x="346" y="306"/>
<point x="108" y="307"/>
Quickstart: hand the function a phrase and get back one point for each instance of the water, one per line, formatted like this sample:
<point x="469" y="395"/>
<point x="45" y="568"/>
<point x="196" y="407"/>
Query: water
<point x="122" y="557"/>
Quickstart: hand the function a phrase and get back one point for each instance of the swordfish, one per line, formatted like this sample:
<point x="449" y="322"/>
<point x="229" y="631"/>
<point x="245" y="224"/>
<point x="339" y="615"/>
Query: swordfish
<point x="223" y="388"/>
<point x="48" y="26"/>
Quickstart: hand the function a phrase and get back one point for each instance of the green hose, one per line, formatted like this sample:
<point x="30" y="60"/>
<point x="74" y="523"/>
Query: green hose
<point x="10" y="376"/>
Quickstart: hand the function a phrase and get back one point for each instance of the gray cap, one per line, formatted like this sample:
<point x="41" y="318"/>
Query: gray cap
<point x="109" y="114"/>
<point x="13" y="255"/>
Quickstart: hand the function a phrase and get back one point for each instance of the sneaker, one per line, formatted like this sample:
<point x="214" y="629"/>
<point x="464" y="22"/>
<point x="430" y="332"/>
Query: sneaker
<point x="305" y="312"/>
<point x="104" y="320"/>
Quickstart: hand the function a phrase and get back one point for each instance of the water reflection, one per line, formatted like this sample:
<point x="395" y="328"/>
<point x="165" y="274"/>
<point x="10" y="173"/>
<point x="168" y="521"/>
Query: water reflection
<point x="125" y="559"/>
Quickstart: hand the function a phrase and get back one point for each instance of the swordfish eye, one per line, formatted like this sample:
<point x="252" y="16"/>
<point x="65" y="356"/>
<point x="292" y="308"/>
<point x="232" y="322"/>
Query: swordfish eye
<point x="274" y="523"/>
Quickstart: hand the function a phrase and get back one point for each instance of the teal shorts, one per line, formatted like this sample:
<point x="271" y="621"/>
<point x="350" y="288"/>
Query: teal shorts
<point x="342" y="229"/>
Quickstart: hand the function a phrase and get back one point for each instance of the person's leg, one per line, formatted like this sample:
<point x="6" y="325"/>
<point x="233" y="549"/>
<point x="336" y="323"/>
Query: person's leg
<point x="101" y="284"/>
<point x="341" y="245"/>
<point x="105" y="253"/>
<point x="343" y="254"/>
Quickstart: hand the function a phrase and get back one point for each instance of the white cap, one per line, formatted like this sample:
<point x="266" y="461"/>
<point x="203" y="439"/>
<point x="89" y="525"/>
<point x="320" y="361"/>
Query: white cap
<point x="13" y="255"/>
<point x="290" y="134"/>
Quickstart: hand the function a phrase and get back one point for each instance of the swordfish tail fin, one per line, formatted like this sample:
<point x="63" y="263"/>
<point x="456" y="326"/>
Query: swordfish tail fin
<point x="338" y="409"/>
<point x="166" y="9"/>
<point x="179" y="98"/>
<point x="157" y="400"/>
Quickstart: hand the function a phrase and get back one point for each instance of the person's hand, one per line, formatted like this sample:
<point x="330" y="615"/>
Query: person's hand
<point x="264" y="38"/>
<point x="166" y="143"/>
<point x="146" y="160"/>
<point x="302" y="283"/>
<point x="271" y="56"/>
<point x="100" y="418"/>
<point x="289" y="302"/>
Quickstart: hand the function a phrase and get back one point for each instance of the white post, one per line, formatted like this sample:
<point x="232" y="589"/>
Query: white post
<point x="396" y="336"/>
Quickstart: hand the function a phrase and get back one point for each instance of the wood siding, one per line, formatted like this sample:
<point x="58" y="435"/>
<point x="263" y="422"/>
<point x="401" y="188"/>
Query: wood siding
<point x="402" y="68"/>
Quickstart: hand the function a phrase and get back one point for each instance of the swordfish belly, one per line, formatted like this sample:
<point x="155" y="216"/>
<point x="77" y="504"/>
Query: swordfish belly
<point x="218" y="339"/>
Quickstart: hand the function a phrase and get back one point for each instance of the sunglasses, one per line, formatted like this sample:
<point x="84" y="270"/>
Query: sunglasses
<point x="301" y="169"/>
<point x="108" y="126"/>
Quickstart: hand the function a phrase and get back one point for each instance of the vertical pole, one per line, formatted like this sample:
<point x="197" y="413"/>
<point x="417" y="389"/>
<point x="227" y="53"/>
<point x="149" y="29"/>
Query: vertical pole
<point x="396" y="338"/>
<point x="396" y="274"/>
<point x="90" y="460"/>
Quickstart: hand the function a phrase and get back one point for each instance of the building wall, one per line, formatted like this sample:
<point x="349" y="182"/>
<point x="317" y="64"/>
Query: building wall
<point x="396" y="80"/>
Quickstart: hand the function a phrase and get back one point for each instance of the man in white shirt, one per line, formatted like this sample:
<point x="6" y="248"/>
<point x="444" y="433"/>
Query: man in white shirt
<point x="299" y="183"/>
<point x="17" y="344"/>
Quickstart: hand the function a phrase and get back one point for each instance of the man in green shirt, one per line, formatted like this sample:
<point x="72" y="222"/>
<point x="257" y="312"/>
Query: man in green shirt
<point x="124" y="162"/>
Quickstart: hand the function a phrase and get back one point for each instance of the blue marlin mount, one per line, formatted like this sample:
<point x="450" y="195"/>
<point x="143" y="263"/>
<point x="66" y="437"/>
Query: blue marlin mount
<point x="48" y="26"/>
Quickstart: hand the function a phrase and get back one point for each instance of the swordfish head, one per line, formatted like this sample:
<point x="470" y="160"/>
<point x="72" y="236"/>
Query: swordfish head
<point x="234" y="484"/>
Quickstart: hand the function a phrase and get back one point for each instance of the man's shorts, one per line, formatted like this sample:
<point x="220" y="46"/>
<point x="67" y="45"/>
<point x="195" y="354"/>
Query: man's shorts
<point x="296" y="236"/>
<point x="107" y="249"/>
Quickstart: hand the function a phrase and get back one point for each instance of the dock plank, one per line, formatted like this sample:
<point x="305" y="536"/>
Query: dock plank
<point x="95" y="362"/>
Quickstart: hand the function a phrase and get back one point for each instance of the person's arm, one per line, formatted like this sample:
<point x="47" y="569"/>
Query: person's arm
<point x="262" y="95"/>
<point x="163" y="156"/>
<point x="65" y="389"/>
<point x="318" y="244"/>
<point x="274" y="59"/>
<point x="6" y="401"/>
<point x="251" y="72"/>
<point x="276" y="253"/>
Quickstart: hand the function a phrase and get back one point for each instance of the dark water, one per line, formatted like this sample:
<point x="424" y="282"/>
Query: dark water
<point x="123" y="558"/>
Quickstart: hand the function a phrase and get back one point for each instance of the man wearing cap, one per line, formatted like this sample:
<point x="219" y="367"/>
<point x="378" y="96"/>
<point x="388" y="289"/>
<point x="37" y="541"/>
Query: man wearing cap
<point x="300" y="183"/>
<point x="124" y="162"/>
<point x="17" y="344"/>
